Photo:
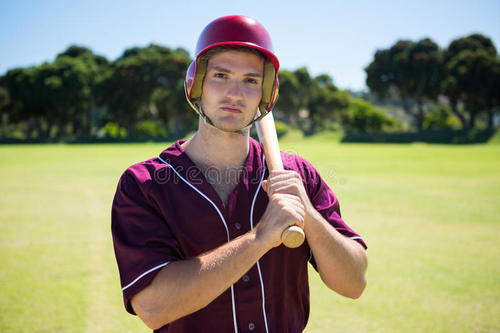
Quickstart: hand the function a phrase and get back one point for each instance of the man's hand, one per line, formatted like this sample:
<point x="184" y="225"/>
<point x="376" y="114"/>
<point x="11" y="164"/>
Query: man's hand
<point x="289" y="182"/>
<point x="288" y="205"/>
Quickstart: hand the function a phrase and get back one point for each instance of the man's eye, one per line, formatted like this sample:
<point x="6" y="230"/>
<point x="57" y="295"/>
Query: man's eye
<point x="220" y="75"/>
<point x="252" y="81"/>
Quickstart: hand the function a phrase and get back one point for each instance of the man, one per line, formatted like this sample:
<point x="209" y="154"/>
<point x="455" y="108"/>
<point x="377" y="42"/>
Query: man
<point x="197" y="230"/>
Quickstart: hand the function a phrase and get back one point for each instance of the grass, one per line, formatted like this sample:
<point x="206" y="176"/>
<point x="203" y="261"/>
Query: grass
<point x="429" y="214"/>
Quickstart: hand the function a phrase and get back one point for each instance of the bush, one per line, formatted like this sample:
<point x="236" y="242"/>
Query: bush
<point x="149" y="128"/>
<point x="281" y="128"/>
<point x="440" y="118"/>
<point x="364" y="117"/>
<point x="113" y="130"/>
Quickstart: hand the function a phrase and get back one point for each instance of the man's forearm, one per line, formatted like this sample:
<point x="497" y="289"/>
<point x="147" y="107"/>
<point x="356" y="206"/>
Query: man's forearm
<point x="341" y="261"/>
<point x="186" y="286"/>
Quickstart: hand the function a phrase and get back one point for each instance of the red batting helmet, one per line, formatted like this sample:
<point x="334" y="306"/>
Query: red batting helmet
<point x="234" y="30"/>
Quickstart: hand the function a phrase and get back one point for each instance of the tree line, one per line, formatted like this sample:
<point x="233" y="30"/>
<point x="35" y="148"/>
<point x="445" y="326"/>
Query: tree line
<point x="464" y="77"/>
<point x="82" y="94"/>
<point x="79" y="92"/>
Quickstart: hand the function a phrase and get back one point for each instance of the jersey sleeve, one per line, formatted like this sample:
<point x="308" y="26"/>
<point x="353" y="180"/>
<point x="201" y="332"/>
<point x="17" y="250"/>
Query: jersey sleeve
<point x="326" y="203"/>
<point x="142" y="240"/>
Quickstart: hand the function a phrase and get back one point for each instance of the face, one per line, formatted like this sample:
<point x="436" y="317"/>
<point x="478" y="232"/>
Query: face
<point x="232" y="89"/>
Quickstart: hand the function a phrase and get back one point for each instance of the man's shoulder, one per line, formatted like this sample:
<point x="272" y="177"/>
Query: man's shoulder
<point x="140" y="174"/>
<point x="293" y="161"/>
<point x="144" y="166"/>
<point x="145" y="171"/>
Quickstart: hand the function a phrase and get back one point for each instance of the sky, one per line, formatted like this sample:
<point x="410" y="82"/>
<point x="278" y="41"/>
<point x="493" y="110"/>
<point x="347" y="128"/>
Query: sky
<point x="334" y="37"/>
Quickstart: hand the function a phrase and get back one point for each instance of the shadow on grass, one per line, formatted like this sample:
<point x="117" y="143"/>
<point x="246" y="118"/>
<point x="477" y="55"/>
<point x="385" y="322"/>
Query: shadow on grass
<point x="440" y="137"/>
<point x="89" y="140"/>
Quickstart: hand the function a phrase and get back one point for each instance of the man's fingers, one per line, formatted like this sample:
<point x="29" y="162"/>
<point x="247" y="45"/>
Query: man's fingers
<point x="294" y="209"/>
<point x="286" y="188"/>
<point x="264" y="185"/>
<point x="287" y="198"/>
<point x="298" y="214"/>
<point x="283" y="183"/>
<point x="283" y="175"/>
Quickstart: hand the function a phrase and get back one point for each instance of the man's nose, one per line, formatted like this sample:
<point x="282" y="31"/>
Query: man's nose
<point x="235" y="89"/>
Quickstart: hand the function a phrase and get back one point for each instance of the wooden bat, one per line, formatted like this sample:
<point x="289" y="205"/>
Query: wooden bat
<point x="293" y="236"/>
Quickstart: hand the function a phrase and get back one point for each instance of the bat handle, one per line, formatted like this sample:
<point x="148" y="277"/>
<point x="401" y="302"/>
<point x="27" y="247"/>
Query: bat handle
<point x="293" y="237"/>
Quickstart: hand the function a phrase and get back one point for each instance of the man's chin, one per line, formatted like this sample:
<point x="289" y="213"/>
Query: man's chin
<point x="233" y="129"/>
<point x="230" y="126"/>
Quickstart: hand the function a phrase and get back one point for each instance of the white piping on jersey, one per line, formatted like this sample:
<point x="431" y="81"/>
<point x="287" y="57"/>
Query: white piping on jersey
<point x="143" y="274"/>
<point x="225" y="226"/>
<point x="251" y="227"/>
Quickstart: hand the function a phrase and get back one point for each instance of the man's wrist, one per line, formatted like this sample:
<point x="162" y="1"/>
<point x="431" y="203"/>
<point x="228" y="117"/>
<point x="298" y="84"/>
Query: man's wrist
<point x="262" y="239"/>
<point x="313" y="220"/>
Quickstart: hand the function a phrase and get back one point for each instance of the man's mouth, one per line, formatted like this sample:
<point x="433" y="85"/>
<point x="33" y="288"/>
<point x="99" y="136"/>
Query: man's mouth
<point x="232" y="109"/>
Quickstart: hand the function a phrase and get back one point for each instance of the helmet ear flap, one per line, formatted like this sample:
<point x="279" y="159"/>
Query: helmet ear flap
<point x="194" y="83"/>
<point x="269" y="88"/>
<point x="201" y="70"/>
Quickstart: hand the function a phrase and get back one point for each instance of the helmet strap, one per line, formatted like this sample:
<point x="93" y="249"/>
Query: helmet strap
<point x="209" y="122"/>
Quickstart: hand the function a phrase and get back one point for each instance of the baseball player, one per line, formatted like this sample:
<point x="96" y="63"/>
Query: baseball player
<point x="197" y="230"/>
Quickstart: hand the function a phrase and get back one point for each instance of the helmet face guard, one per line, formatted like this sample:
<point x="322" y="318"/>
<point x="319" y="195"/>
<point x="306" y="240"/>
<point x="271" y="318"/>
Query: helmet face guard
<point x="239" y="31"/>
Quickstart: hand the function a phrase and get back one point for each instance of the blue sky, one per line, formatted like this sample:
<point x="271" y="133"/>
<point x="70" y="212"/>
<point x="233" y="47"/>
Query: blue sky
<point x="334" y="37"/>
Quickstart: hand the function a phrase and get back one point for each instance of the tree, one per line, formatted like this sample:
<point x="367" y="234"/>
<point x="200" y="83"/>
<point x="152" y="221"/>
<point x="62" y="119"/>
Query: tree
<point x="288" y="101"/>
<point x="58" y="93"/>
<point x="4" y="96"/>
<point x="82" y="71"/>
<point x="388" y="72"/>
<point x="474" y="42"/>
<point x="425" y="74"/>
<point x="411" y="70"/>
<point x="471" y="78"/>
<point x="4" y="102"/>
<point x="305" y="91"/>
<point x="148" y="82"/>
<point x="29" y="103"/>
<point x="169" y="97"/>
<point x="326" y="103"/>
<point x="495" y="91"/>
<point x="318" y="96"/>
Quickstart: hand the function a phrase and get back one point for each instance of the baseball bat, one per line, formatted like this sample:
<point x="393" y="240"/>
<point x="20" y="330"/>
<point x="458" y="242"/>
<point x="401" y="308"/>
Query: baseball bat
<point x="293" y="236"/>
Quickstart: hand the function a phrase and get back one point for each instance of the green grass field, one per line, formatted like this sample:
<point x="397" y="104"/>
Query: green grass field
<point x="429" y="213"/>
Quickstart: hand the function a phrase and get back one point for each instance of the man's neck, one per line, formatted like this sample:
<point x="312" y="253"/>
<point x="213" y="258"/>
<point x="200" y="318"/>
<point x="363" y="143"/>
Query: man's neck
<point x="210" y="147"/>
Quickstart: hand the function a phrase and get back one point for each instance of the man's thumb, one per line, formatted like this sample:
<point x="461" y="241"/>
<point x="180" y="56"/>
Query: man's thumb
<point x="264" y="185"/>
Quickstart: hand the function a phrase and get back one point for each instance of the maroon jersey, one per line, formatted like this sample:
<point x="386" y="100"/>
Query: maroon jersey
<point x="165" y="210"/>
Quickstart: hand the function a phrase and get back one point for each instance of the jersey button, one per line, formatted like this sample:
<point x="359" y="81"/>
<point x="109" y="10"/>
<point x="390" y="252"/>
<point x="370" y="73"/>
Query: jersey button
<point x="246" y="278"/>
<point x="251" y="326"/>
<point x="237" y="226"/>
